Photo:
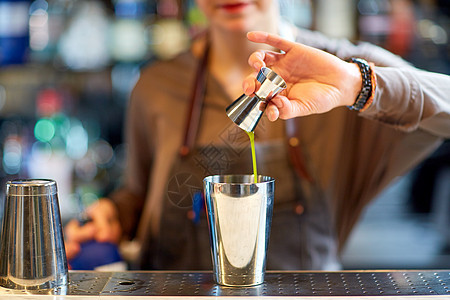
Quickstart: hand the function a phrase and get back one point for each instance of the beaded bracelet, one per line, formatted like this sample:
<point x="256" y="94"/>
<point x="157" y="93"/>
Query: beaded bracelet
<point x="369" y="83"/>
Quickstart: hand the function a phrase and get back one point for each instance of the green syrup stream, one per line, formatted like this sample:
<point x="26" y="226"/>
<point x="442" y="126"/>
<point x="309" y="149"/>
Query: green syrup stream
<point x="251" y="135"/>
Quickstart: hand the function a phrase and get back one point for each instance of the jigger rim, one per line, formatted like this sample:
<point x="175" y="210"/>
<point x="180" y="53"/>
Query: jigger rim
<point x="270" y="74"/>
<point x="31" y="187"/>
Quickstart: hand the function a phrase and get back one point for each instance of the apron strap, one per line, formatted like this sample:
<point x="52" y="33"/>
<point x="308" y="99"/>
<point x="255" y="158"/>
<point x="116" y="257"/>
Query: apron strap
<point x="196" y="103"/>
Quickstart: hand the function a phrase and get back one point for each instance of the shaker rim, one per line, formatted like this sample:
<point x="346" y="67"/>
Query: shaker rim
<point x="237" y="179"/>
<point x="31" y="187"/>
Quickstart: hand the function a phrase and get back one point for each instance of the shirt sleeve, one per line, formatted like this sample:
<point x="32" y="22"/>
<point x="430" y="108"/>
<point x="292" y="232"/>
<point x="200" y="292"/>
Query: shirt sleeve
<point x="130" y="197"/>
<point x="410" y="99"/>
<point x="406" y="98"/>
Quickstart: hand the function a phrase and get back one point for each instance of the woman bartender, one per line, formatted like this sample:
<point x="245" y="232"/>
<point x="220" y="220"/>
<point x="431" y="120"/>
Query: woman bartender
<point x="327" y="165"/>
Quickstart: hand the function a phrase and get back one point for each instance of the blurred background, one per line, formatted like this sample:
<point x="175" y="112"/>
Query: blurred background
<point x="68" y="66"/>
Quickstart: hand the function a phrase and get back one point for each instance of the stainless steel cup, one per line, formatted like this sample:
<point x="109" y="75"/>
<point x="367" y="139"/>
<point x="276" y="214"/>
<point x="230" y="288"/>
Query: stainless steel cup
<point x="246" y="111"/>
<point x="239" y="217"/>
<point x="32" y="254"/>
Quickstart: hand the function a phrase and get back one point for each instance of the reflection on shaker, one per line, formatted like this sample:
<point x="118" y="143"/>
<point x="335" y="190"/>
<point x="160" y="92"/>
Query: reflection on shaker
<point x="32" y="253"/>
<point x="245" y="211"/>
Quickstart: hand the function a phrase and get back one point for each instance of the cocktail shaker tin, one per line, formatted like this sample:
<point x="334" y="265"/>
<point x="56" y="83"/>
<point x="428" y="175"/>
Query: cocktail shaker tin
<point x="32" y="253"/>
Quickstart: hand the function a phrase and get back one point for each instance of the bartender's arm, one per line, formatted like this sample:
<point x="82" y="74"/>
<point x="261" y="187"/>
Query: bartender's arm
<point x="404" y="97"/>
<point x="116" y="217"/>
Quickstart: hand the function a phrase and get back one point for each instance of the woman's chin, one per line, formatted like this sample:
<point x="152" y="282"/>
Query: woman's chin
<point x="239" y="26"/>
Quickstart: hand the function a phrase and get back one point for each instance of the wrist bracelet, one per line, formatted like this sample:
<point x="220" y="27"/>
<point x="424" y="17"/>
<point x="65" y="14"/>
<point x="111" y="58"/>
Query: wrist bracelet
<point x="367" y="93"/>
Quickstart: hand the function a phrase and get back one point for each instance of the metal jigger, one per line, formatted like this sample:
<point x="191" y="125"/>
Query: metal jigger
<point x="247" y="110"/>
<point x="32" y="254"/>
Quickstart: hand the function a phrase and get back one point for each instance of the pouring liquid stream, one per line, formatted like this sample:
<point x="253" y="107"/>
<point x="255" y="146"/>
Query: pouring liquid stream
<point x="251" y="135"/>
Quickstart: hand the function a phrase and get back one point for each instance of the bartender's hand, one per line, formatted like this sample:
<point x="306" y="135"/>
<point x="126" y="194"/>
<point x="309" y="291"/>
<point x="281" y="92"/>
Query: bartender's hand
<point x="103" y="226"/>
<point x="316" y="80"/>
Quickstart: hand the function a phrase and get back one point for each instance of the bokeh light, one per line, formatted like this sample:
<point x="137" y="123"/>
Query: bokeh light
<point x="76" y="141"/>
<point x="12" y="155"/>
<point x="44" y="130"/>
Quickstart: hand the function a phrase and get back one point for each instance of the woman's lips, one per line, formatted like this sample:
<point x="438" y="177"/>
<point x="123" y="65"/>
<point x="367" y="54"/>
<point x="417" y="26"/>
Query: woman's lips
<point x="234" y="7"/>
